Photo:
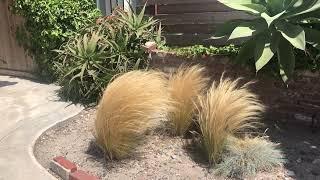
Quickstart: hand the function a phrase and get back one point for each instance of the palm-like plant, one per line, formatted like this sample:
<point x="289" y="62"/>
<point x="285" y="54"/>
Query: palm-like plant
<point x="279" y="27"/>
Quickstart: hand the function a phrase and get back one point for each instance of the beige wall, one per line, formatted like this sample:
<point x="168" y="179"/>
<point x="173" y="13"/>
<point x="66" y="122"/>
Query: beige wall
<point x="17" y="60"/>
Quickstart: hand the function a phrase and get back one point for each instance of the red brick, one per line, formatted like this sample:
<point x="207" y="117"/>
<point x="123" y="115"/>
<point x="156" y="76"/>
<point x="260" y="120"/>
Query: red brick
<point x="60" y="170"/>
<point x="81" y="175"/>
<point x="65" y="163"/>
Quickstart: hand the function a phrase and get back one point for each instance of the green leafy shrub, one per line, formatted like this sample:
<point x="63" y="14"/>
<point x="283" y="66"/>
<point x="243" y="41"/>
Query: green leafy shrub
<point x="279" y="26"/>
<point x="88" y="61"/>
<point x="248" y="156"/>
<point x="48" y="24"/>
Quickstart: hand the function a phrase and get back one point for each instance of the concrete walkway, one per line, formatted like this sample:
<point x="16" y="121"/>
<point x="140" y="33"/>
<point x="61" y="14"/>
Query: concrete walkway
<point x="26" y="110"/>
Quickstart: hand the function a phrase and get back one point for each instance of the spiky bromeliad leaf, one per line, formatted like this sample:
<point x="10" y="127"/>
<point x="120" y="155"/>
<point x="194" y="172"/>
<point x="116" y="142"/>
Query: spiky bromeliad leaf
<point x="270" y="19"/>
<point x="248" y="29"/>
<point x="313" y="37"/>
<point x="263" y="52"/>
<point x="246" y="51"/>
<point x="304" y="7"/>
<point x="227" y="28"/>
<point x="293" y="33"/>
<point x="286" y="59"/>
<point x="276" y="6"/>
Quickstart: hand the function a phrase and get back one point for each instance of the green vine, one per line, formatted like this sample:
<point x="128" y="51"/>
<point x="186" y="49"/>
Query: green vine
<point x="200" y="50"/>
<point x="48" y="24"/>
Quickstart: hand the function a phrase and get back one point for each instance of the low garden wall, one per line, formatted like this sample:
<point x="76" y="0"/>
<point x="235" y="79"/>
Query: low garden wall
<point x="301" y="96"/>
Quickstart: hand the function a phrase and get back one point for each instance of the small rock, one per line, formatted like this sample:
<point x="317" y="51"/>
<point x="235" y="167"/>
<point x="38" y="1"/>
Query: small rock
<point x="316" y="161"/>
<point x="173" y="157"/>
<point x="299" y="160"/>
<point x="291" y="173"/>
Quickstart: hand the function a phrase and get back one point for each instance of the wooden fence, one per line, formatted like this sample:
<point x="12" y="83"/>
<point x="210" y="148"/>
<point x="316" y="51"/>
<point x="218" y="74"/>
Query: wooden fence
<point x="106" y="6"/>
<point x="189" y="22"/>
<point x="185" y="22"/>
<point x="13" y="58"/>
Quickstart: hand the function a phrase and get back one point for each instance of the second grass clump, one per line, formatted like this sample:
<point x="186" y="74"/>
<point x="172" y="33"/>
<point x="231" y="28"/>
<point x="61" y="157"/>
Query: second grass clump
<point x="184" y="86"/>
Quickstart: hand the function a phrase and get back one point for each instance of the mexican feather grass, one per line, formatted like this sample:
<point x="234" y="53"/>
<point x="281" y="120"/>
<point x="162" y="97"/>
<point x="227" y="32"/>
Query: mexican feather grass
<point x="185" y="85"/>
<point x="130" y="105"/>
<point x="225" y="110"/>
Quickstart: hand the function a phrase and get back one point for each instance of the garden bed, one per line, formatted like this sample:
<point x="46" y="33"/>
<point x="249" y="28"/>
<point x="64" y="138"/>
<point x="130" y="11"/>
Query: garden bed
<point x="161" y="157"/>
<point x="166" y="157"/>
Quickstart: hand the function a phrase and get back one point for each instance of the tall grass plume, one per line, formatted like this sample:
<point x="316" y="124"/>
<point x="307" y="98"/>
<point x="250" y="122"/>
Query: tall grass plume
<point x="226" y="109"/>
<point x="185" y="85"/>
<point x="129" y="106"/>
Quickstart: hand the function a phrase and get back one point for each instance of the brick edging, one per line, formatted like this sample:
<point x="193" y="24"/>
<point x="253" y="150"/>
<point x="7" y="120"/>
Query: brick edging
<point x="68" y="170"/>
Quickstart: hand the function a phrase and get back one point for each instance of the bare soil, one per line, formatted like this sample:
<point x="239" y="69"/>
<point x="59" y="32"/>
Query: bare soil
<point x="166" y="157"/>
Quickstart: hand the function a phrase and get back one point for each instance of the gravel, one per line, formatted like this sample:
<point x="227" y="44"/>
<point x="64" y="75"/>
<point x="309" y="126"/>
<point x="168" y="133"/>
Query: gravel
<point x="160" y="157"/>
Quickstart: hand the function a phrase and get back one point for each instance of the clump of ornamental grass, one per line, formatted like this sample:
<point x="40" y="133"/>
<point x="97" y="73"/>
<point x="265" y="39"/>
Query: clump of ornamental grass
<point x="185" y="85"/>
<point x="130" y="105"/>
<point x="248" y="156"/>
<point x="225" y="110"/>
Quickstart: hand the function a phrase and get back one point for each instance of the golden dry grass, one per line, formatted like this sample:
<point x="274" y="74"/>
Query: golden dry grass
<point x="129" y="106"/>
<point x="224" y="111"/>
<point x="185" y="86"/>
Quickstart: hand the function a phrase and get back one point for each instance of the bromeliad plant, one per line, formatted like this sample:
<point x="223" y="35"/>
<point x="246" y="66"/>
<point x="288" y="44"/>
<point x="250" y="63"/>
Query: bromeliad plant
<point x="279" y="26"/>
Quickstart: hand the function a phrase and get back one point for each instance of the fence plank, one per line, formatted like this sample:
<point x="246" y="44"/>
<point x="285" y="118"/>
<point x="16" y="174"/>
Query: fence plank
<point x="189" y="22"/>
<point x="192" y="8"/>
<point x="108" y="6"/>
<point x="152" y="2"/>
<point x="191" y="39"/>
<point x="201" y="18"/>
<point x="191" y="28"/>
<point x="114" y="3"/>
<point x="121" y="3"/>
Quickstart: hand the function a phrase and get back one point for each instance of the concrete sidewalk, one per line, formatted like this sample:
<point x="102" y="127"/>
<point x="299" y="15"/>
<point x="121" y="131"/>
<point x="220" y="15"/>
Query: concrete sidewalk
<point x="26" y="110"/>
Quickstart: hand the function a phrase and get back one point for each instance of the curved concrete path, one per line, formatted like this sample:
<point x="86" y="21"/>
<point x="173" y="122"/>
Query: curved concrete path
<point x="26" y="110"/>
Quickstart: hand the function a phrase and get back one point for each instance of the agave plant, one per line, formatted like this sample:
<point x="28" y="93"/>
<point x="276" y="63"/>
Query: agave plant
<point x="83" y="70"/>
<point x="137" y="22"/>
<point x="279" y="26"/>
